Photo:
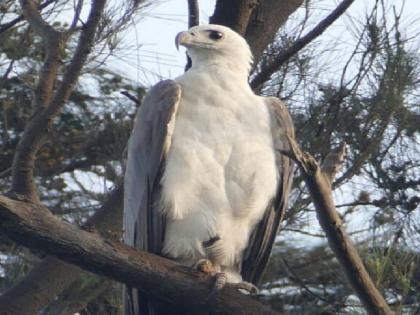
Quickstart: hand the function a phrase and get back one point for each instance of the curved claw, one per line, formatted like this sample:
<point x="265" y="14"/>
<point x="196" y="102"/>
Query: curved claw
<point x="220" y="281"/>
<point x="246" y="288"/>
<point x="206" y="266"/>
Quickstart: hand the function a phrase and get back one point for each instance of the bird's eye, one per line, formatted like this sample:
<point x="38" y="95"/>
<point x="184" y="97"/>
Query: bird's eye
<point x="215" y="35"/>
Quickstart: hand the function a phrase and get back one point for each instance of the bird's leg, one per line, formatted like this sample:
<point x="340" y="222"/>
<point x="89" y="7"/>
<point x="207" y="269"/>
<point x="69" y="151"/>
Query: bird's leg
<point x="212" y="265"/>
<point x="214" y="249"/>
<point x="206" y="266"/>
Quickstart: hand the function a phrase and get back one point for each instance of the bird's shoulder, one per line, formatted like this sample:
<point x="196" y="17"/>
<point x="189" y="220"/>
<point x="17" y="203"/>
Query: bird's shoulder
<point x="279" y="113"/>
<point x="161" y="98"/>
<point x="164" y="89"/>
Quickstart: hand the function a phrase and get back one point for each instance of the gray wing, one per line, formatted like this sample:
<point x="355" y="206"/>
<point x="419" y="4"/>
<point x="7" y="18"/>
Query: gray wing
<point x="256" y="255"/>
<point x="148" y="145"/>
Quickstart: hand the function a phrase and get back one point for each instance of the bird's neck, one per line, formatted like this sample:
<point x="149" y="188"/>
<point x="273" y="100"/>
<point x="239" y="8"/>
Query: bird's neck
<point x="221" y="76"/>
<point x="220" y="66"/>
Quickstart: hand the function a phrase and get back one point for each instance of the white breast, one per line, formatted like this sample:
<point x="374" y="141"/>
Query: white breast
<point x="220" y="171"/>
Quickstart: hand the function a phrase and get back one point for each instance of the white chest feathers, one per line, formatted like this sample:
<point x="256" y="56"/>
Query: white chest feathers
<point x="220" y="171"/>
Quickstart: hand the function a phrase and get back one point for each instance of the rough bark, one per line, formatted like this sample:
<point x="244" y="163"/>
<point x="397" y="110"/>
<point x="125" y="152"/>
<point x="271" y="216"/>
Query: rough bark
<point x="193" y="13"/>
<point x="32" y="225"/>
<point x="257" y="21"/>
<point x="51" y="276"/>
<point x="265" y="21"/>
<point x="318" y="182"/>
<point x="234" y="14"/>
<point x="38" y="288"/>
<point x="78" y="295"/>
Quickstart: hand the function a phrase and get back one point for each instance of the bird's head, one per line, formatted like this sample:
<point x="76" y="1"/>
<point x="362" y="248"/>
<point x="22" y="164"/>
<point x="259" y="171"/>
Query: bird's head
<point x="216" y="44"/>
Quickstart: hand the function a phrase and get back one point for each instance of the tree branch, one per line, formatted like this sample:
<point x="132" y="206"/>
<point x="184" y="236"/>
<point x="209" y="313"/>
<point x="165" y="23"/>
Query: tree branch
<point x="257" y="21"/>
<point x="24" y="158"/>
<point x="33" y="225"/>
<point x="318" y="182"/>
<point x="78" y="295"/>
<point x="4" y="27"/>
<point x="265" y="21"/>
<point x="265" y="73"/>
<point x="234" y="14"/>
<point x="131" y="97"/>
<point x="51" y="276"/>
<point x="47" y="105"/>
<point x="32" y="15"/>
<point x="193" y="13"/>
<point x="193" y="20"/>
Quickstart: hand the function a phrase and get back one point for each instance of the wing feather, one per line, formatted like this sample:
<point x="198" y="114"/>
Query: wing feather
<point x="256" y="255"/>
<point x="144" y="224"/>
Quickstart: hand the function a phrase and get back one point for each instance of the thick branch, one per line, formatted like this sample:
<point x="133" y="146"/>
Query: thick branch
<point x="78" y="295"/>
<point x="257" y="21"/>
<point x="51" y="276"/>
<point x="38" y="288"/>
<point x="266" y="72"/>
<point x="193" y="20"/>
<point x="52" y="40"/>
<point x="24" y="158"/>
<point x="319" y="186"/>
<point x="234" y="14"/>
<point x="193" y="13"/>
<point x="32" y="15"/>
<point x="33" y="225"/>
<point x="265" y="21"/>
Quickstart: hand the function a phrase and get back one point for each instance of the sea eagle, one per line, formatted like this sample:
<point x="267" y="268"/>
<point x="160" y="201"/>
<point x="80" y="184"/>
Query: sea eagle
<point x="205" y="179"/>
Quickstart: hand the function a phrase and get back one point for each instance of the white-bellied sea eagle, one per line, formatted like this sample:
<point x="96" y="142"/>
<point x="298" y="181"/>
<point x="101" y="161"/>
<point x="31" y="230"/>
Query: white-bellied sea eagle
<point x="205" y="180"/>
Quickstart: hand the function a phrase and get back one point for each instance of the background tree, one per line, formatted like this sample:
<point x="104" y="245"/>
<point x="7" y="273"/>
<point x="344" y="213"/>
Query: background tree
<point x="64" y="125"/>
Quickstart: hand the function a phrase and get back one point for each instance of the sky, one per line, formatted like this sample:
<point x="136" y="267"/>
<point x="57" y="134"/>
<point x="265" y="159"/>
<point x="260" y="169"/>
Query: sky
<point x="154" y="34"/>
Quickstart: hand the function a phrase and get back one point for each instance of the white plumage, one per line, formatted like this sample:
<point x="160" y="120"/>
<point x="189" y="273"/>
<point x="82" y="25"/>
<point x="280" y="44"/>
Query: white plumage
<point x="220" y="171"/>
<point x="205" y="178"/>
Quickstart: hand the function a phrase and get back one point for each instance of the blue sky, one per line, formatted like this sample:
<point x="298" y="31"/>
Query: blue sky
<point x="154" y="34"/>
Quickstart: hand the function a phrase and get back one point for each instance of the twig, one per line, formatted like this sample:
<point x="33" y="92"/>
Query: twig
<point x="333" y="162"/>
<point x="6" y="172"/>
<point x="264" y="74"/>
<point x="301" y="283"/>
<point x="131" y="97"/>
<point x="77" y="10"/>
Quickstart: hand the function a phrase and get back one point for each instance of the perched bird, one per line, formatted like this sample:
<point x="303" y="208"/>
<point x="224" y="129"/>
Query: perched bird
<point x="205" y="182"/>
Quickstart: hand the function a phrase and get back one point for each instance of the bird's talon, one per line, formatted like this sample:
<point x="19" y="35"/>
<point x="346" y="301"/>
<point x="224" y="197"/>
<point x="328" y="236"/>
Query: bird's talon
<point x="206" y="266"/>
<point x="246" y="288"/>
<point x="220" y="281"/>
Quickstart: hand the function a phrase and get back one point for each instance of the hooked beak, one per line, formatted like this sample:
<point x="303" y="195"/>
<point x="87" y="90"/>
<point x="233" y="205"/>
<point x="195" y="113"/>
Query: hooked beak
<point x="181" y="39"/>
